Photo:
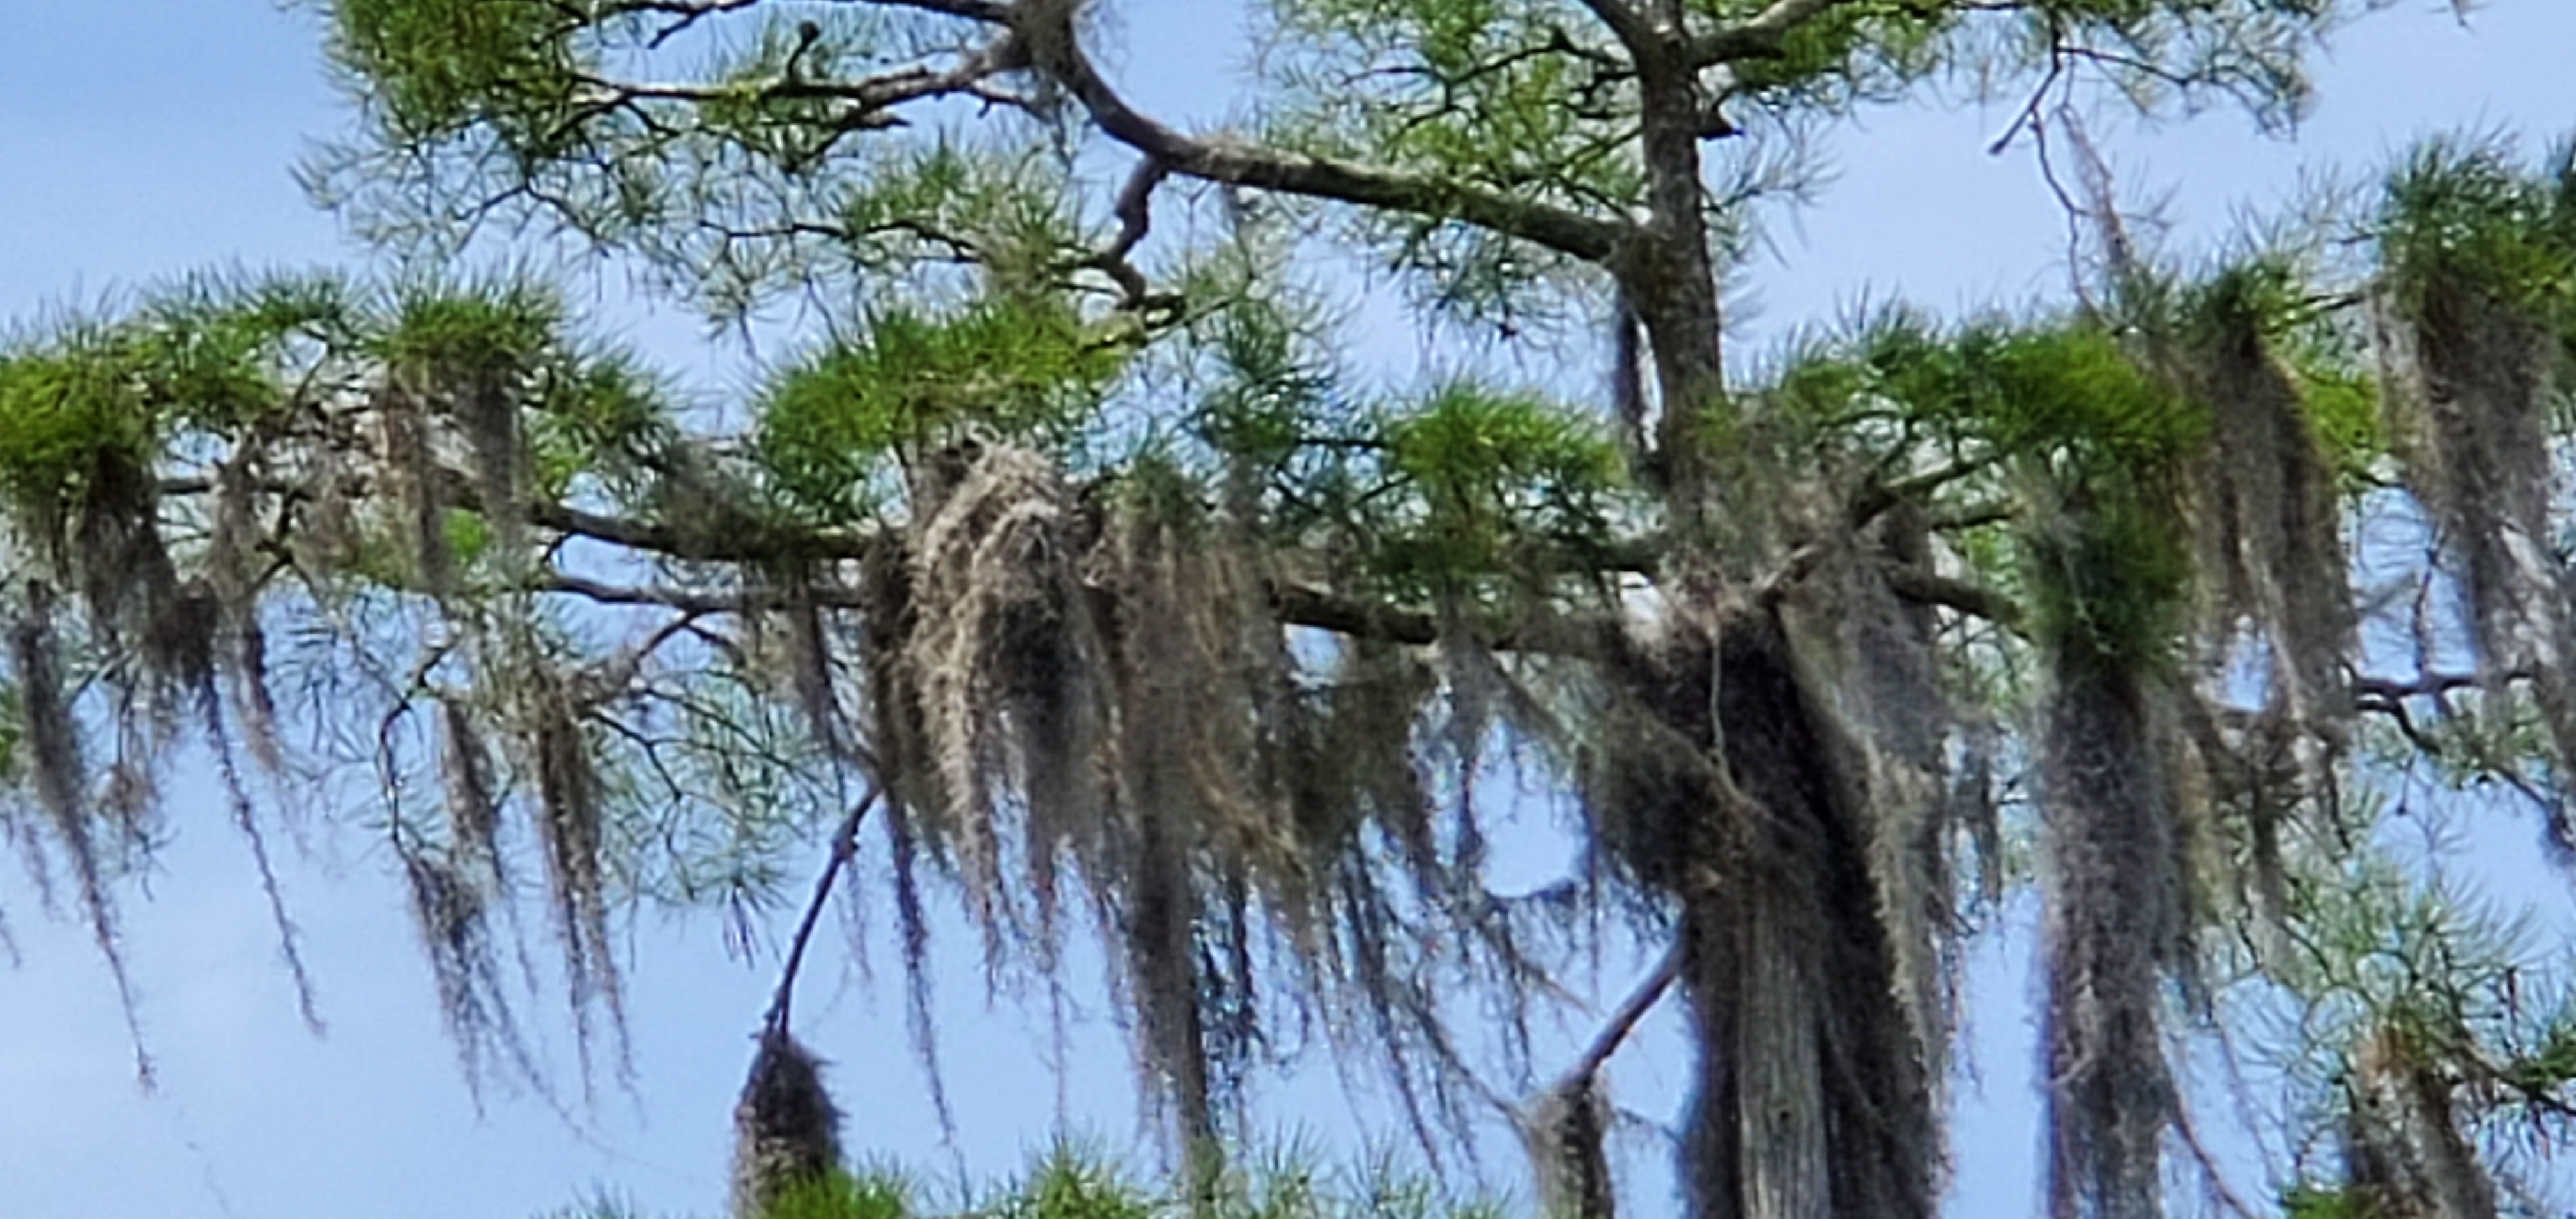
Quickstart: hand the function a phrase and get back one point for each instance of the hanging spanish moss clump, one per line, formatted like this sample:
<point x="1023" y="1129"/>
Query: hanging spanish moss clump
<point x="2272" y="553"/>
<point x="2270" y="569"/>
<point x="465" y="779"/>
<point x="460" y="356"/>
<point x="485" y="407"/>
<point x="909" y="773"/>
<point x="1096" y="685"/>
<point x="1566" y="1135"/>
<point x="452" y="914"/>
<point x="1189" y="680"/>
<point x="1872" y="659"/>
<point x="2404" y="1153"/>
<point x="2473" y="380"/>
<point x="219" y="742"/>
<point x="571" y="834"/>
<point x="989" y="579"/>
<point x="2469" y="390"/>
<point x="786" y="1128"/>
<point x="2116" y="920"/>
<point x="53" y="757"/>
<point x="130" y="590"/>
<point x="2473" y="253"/>
<point x="233" y="544"/>
<point x="810" y="658"/>
<point x="1347" y="764"/>
<point x="411" y="472"/>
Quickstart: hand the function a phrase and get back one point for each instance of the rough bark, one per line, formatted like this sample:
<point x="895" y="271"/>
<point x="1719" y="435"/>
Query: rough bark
<point x="2402" y="1141"/>
<point x="1811" y="1100"/>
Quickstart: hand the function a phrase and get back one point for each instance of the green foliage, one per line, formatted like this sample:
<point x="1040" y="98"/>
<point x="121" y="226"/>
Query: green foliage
<point x="212" y="355"/>
<point x="1510" y="96"/>
<point x="1497" y="476"/>
<point x="1268" y="393"/>
<point x="926" y="204"/>
<point x="848" y="1196"/>
<point x="1012" y="367"/>
<point x="436" y="66"/>
<point x="1069" y="1183"/>
<point x="2384" y="947"/>
<point x="2272" y="297"/>
<point x="2343" y="404"/>
<point x="2462" y="212"/>
<point x="2108" y="579"/>
<point x="2065" y="393"/>
<point x="1068" y="1187"/>
<point x="2076" y="396"/>
<point x="452" y="334"/>
<point x="601" y="416"/>
<point x="2077" y="430"/>
<point x="974" y="263"/>
<point x="784" y="126"/>
<point x="2309" y="1200"/>
<point x="1854" y="50"/>
<point x="2104" y="558"/>
<point x="207" y="356"/>
<point x="66" y="415"/>
<point x="2108" y="563"/>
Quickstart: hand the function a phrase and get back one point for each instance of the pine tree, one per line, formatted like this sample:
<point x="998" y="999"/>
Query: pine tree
<point x="1077" y="549"/>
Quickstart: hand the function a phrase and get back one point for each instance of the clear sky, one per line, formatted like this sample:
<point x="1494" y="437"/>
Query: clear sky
<point x="139" y="138"/>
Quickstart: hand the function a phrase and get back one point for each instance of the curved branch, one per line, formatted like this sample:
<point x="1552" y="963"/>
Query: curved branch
<point x="1763" y="35"/>
<point x="1623" y="20"/>
<point x="845" y="846"/>
<point x="1614" y="1033"/>
<point x="1238" y="163"/>
<point x="1931" y="588"/>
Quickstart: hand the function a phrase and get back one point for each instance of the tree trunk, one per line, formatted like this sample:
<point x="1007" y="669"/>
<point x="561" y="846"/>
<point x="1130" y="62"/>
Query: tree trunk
<point x="1670" y="275"/>
<point x="1787" y="1164"/>
<point x="1812" y="1100"/>
<point x="2402" y="1142"/>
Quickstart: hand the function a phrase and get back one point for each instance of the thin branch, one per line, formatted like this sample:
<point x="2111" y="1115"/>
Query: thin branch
<point x="683" y="13"/>
<point x="1878" y="496"/>
<point x="1590" y="638"/>
<point x="1763" y="35"/>
<point x="1932" y="588"/>
<point x="1623" y="20"/>
<point x="845" y="846"/>
<point x="1239" y="163"/>
<point x="752" y="544"/>
<point x="1623" y="1021"/>
<point x="2429" y="685"/>
<point x="869" y="96"/>
<point x="691" y="601"/>
<point x="1135" y="213"/>
<point x="990" y="12"/>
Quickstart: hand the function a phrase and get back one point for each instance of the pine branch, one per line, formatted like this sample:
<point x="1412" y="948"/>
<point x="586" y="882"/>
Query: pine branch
<point x="1239" y="163"/>
<point x="1586" y="638"/>
<point x="1763" y="35"/>
<point x="1624" y="21"/>
<point x="1931" y="588"/>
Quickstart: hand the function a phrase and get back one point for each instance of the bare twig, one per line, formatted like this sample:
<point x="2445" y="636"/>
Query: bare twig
<point x="1623" y="1021"/>
<point x="845" y="847"/>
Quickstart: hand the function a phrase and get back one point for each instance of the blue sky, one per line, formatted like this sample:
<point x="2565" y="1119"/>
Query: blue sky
<point x="146" y="137"/>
